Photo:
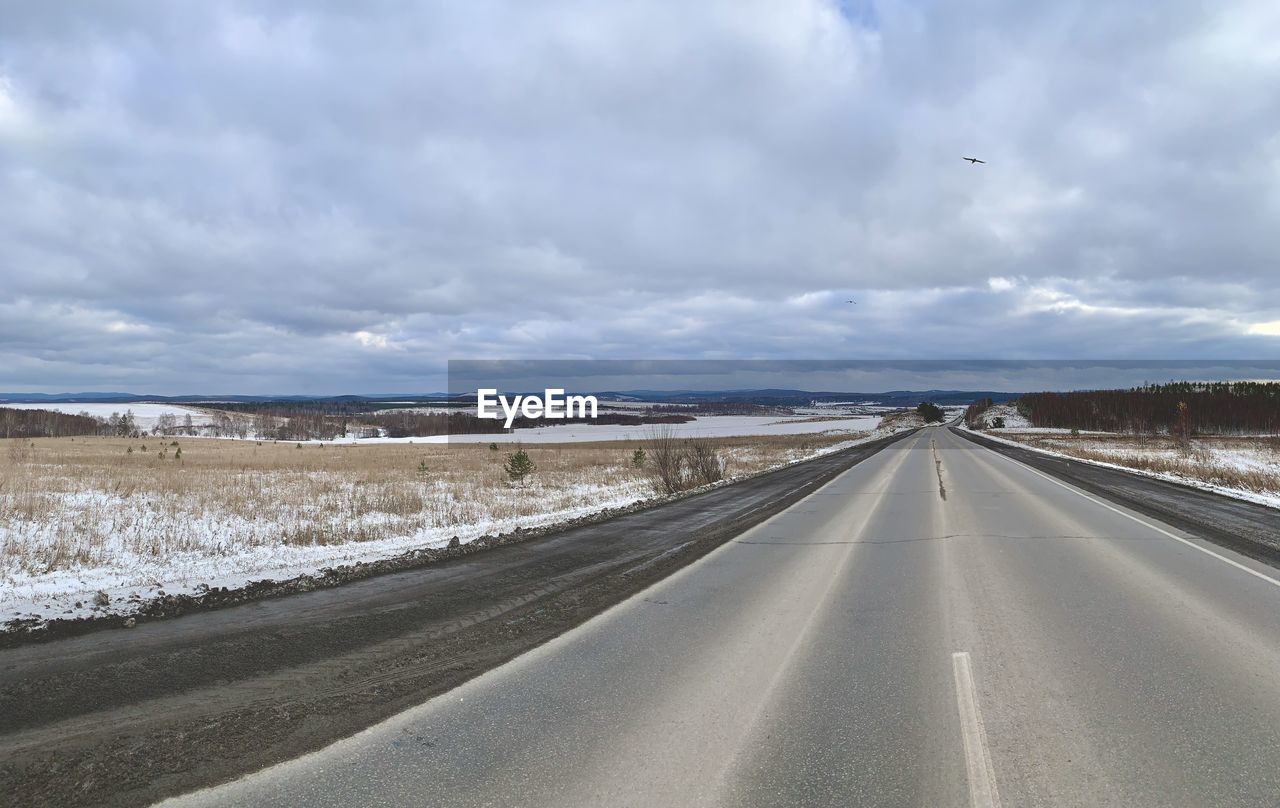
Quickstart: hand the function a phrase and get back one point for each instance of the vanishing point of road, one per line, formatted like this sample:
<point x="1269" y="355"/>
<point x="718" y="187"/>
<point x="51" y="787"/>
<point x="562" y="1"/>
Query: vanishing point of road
<point x="939" y="625"/>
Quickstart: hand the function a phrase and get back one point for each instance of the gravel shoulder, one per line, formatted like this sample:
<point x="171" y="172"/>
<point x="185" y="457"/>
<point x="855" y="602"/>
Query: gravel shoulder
<point x="125" y="717"/>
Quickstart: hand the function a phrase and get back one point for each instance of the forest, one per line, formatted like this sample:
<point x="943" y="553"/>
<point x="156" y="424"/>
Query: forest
<point x="1213" y="408"/>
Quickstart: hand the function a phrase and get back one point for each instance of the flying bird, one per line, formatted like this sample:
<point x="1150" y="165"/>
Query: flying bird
<point x="975" y="160"/>
<point x="854" y="302"/>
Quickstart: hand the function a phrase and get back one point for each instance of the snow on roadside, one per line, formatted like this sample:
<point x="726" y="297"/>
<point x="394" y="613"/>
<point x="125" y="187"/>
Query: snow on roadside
<point x="217" y="560"/>
<point x="136" y="578"/>
<point x="1238" y="459"/>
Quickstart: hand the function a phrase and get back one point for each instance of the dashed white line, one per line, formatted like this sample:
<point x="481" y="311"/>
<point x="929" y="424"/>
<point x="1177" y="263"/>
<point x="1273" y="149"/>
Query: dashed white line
<point x="977" y="757"/>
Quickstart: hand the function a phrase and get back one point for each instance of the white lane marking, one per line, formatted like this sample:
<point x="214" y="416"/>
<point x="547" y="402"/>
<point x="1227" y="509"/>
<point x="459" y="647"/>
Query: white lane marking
<point x="1144" y="522"/>
<point x="977" y="757"/>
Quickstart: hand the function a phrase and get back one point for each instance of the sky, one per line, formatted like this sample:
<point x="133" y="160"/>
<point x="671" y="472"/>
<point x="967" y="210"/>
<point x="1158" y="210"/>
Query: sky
<point x="330" y="197"/>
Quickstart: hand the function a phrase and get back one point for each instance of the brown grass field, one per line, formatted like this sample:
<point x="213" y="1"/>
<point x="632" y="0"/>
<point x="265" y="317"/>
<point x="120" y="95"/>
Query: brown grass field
<point x="71" y="503"/>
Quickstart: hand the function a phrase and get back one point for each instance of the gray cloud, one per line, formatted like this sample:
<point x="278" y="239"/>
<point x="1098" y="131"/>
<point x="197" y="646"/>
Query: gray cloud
<point x="321" y="197"/>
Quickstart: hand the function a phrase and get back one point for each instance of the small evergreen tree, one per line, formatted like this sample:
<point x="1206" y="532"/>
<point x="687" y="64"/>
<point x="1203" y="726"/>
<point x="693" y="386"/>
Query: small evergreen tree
<point x="422" y="469"/>
<point x="519" y="466"/>
<point x="637" y="459"/>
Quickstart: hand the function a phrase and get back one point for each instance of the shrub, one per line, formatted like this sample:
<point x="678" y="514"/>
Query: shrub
<point x="637" y="459"/>
<point x="703" y="462"/>
<point x="676" y="465"/>
<point x="997" y="423"/>
<point x="665" y="470"/>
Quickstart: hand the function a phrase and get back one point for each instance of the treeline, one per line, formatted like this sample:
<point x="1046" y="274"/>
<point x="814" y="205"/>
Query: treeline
<point x="722" y="408"/>
<point x="288" y="408"/>
<point x="299" y="424"/>
<point x="407" y="424"/>
<point x="1211" y="408"/>
<point x="609" y="419"/>
<point x="15" y="423"/>
<point x="973" y="413"/>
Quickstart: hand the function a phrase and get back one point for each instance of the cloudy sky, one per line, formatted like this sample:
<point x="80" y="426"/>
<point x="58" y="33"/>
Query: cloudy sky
<point x="329" y="197"/>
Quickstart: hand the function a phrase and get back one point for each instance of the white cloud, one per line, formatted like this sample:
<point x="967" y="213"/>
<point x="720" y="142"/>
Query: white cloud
<point x="14" y="121"/>
<point x="371" y="340"/>
<point x="385" y="187"/>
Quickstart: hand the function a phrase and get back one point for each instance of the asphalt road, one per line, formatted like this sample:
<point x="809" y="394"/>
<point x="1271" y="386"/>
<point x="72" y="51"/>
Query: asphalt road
<point x="122" y="717"/>
<point x="938" y="626"/>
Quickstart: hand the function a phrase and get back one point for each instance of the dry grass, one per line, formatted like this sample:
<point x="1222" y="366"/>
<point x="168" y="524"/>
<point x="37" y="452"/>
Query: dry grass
<point x="1248" y="463"/>
<point x="91" y="502"/>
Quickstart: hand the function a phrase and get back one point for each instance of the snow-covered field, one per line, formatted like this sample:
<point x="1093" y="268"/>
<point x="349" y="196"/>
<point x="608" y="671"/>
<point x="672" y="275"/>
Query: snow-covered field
<point x="145" y="413"/>
<point x="1245" y="468"/>
<point x="117" y="516"/>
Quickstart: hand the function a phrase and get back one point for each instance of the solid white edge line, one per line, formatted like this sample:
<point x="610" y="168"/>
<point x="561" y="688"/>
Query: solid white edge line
<point x="1142" y="522"/>
<point x="977" y="757"/>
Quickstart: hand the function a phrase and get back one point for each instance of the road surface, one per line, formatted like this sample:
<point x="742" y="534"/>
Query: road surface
<point x="123" y="717"/>
<point x="938" y="626"/>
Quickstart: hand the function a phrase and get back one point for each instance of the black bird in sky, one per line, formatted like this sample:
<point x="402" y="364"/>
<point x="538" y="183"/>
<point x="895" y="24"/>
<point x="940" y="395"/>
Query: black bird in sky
<point x="975" y="160"/>
<point x="854" y="302"/>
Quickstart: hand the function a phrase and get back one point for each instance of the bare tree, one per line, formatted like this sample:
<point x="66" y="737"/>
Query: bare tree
<point x="666" y="461"/>
<point x="264" y="426"/>
<point x="1182" y="427"/>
